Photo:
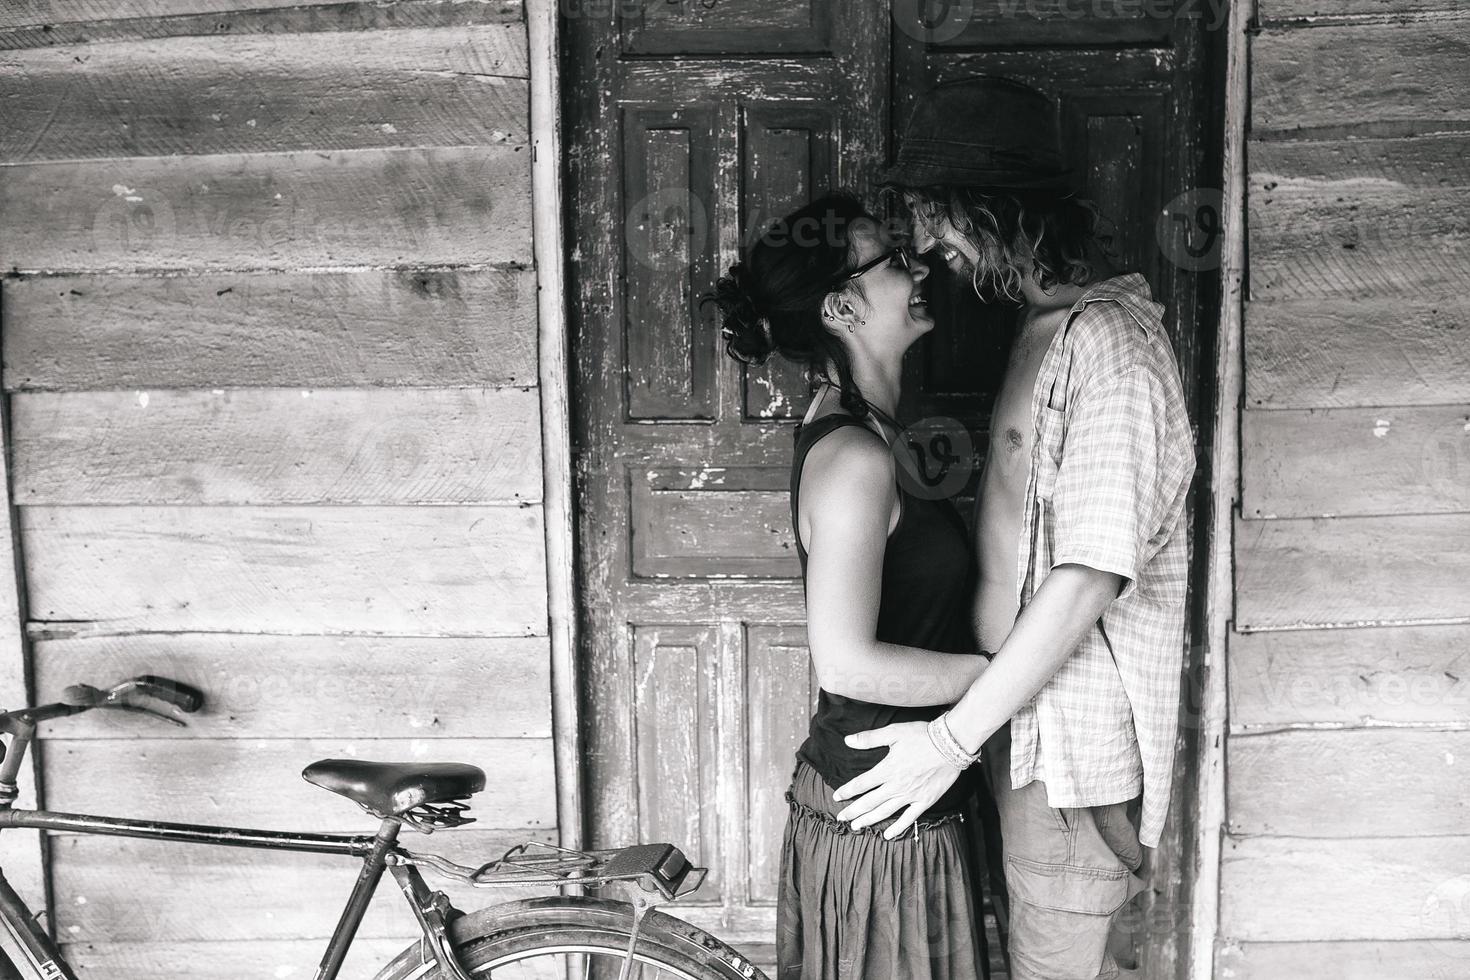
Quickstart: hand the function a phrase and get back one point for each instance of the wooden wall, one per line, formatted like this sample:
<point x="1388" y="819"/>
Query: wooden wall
<point x="269" y="326"/>
<point x="1348" y="761"/>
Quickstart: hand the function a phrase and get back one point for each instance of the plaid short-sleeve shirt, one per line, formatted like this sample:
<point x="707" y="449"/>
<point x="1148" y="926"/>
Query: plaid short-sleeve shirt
<point x="1111" y="467"/>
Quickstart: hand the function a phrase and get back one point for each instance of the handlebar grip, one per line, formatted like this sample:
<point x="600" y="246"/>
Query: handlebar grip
<point x="180" y="695"/>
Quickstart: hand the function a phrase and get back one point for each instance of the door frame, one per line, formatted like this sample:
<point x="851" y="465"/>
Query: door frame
<point x="549" y="245"/>
<point x="1209" y="811"/>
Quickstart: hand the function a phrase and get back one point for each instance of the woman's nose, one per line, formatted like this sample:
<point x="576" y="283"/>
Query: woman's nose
<point x="919" y="269"/>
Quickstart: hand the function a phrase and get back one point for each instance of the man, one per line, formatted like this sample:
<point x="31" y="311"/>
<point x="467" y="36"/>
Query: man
<point x="1081" y="534"/>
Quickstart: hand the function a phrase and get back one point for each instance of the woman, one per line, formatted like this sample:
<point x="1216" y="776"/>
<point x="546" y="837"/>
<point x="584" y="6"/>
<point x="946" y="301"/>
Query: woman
<point x="889" y="582"/>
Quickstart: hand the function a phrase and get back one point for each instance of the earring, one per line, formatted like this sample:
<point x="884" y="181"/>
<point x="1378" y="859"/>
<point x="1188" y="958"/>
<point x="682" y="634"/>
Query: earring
<point x="849" y="328"/>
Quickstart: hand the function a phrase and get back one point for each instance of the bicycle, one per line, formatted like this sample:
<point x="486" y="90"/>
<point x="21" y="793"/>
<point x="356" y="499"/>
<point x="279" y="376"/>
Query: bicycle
<point x="558" y="935"/>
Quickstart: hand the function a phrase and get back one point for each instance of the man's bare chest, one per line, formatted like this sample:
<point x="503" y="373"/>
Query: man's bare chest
<point x="1012" y="428"/>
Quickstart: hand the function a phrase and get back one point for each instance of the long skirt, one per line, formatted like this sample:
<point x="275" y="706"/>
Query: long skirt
<point x="853" y="906"/>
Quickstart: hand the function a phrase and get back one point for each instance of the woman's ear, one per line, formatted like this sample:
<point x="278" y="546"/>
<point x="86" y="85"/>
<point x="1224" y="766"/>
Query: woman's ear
<point x="837" y="311"/>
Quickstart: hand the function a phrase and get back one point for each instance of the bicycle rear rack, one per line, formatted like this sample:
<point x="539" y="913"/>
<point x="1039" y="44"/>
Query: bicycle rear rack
<point x="654" y="867"/>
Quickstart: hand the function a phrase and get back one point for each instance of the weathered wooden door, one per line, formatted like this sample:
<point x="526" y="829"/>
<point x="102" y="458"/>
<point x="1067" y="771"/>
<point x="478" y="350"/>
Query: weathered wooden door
<point x="691" y="125"/>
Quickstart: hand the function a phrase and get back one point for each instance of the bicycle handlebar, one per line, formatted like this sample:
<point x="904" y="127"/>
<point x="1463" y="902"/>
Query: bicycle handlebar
<point x="187" y="699"/>
<point x="83" y="697"/>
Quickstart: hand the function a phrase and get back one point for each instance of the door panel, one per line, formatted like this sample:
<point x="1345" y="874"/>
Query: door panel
<point x="676" y="726"/>
<point x="667" y="154"/>
<point x="691" y="126"/>
<point x="786" y="161"/>
<point x="780" y="694"/>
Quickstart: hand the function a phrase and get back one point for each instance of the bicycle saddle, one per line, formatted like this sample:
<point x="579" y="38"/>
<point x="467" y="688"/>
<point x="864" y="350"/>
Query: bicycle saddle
<point x="389" y="789"/>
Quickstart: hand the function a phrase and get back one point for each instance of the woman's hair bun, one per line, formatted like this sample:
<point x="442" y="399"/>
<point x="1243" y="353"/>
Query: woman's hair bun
<point x="746" y="329"/>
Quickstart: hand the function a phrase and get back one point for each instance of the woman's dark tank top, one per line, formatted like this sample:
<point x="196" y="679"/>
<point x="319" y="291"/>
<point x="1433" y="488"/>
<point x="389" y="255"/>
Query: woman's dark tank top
<point x="927" y="591"/>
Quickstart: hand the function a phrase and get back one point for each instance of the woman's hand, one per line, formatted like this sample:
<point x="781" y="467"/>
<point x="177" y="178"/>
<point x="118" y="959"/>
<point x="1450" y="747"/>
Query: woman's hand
<point x="912" y="777"/>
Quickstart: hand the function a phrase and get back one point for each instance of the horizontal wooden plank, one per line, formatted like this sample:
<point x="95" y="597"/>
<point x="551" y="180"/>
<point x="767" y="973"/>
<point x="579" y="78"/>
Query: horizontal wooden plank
<point x="1323" y="353"/>
<point x="1369" y="960"/>
<point x="1405" y="72"/>
<point x="1341" y="219"/>
<point x="256" y="782"/>
<point x="1350" y="676"/>
<point x="311" y="686"/>
<point x="455" y="86"/>
<point x="388" y="207"/>
<point x="1344" y="461"/>
<point x="1279" y="10"/>
<point x="142" y="19"/>
<point x="419" y="571"/>
<point x="428" y="327"/>
<point x="1372" y="782"/>
<point x="1365" y="163"/>
<point x="1351" y="571"/>
<point x="20" y="13"/>
<point x="119" y="890"/>
<point x="277" y="446"/>
<point x="223" y="960"/>
<point x="1301" y="889"/>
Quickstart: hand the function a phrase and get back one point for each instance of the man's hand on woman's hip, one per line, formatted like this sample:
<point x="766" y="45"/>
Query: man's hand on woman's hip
<point x="911" y="778"/>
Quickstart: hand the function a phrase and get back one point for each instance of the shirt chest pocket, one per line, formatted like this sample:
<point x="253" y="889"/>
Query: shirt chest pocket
<point x="1050" y="432"/>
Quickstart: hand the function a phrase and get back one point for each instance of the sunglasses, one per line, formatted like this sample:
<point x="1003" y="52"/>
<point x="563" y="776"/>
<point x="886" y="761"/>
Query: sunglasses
<point x="902" y="253"/>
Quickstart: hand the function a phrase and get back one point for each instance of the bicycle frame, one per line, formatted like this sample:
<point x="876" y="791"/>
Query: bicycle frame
<point x="656" y="868"/>
<point x="373" y="850"/>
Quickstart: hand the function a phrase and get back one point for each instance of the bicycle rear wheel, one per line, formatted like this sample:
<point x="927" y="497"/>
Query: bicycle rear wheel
<point x="573" y="938"/>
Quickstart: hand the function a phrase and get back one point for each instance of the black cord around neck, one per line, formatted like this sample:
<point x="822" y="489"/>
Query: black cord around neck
<point x="898" y="427"/>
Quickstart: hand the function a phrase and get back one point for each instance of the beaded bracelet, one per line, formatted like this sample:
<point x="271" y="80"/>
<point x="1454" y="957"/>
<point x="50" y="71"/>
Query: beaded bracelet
<point x="949" y="747"/>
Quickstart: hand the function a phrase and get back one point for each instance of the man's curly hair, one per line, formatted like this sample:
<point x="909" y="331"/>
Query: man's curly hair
<point x="1054" y="236"/>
